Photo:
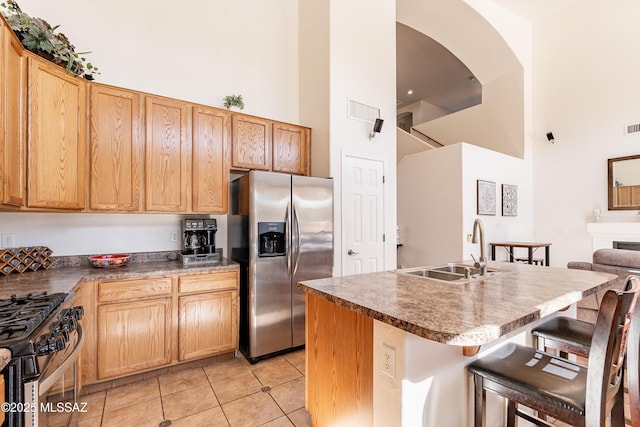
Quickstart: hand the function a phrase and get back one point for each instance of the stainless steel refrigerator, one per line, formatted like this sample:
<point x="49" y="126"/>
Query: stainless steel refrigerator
<point x="280" y="230"/>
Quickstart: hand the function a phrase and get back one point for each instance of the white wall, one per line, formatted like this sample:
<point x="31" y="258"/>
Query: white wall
<point x="194" y="50"/>
<point x="197" y="51"/>
<point x="361" y="67"/>
<point x="437" y="203"/>
<point x="585" y="91"/>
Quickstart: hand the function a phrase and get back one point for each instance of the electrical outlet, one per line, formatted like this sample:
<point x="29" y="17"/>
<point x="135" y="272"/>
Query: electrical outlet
<point x="389" y="360"/>
<point x="174" y="235"/>
<point x="8" y="240"/>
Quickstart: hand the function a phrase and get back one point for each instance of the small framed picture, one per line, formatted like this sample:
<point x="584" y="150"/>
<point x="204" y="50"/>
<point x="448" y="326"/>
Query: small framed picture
<point x="509" y="200"/>
<point x="486" y="195"/>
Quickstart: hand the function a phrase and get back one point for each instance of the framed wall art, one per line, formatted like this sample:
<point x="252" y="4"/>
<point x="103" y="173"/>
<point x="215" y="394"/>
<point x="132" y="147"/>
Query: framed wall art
<point x="509" y="200"/>
<point x="486" y="196"/>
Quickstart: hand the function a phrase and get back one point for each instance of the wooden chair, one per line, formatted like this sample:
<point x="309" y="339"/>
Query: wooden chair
<point x="571" y="393"/>
<point x="633" y="368"/>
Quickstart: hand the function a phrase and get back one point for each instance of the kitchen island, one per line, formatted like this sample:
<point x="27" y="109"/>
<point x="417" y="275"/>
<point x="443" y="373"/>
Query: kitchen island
<point x="391" y="349"/>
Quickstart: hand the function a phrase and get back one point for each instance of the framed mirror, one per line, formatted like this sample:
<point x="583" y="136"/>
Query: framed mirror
<point x="624" y="183"/>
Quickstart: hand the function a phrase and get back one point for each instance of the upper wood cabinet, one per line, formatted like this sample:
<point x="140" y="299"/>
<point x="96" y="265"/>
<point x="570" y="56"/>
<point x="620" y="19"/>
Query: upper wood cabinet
<point x="13" y="120"/>
<point x="168" y="154"/>
<point x="116" y="149"/>
<point x="57" y="137"/>
<point x="291" y="145"/>
<point x="251" y="146"/>
<point x="210" y="178"/>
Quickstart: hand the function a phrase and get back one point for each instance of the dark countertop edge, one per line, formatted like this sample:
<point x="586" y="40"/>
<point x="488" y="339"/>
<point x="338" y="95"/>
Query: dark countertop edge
<point x="473" y="337"/>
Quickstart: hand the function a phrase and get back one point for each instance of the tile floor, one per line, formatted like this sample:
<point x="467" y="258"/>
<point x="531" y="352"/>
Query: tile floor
<point x="228" y="393"/>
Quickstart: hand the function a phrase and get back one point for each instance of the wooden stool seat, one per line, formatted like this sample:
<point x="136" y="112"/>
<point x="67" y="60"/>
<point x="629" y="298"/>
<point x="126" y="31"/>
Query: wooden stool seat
<point x="566" y="335"/>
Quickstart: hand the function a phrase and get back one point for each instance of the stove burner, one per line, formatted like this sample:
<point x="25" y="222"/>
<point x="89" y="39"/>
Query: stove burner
<point x="20" y="316"/>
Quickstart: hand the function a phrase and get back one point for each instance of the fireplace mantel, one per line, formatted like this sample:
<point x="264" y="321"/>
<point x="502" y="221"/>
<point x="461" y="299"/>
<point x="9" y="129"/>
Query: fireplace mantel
<point x="603" y="234"/>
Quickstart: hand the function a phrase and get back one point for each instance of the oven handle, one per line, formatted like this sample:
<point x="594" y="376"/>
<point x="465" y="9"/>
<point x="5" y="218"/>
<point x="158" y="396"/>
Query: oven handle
<point x="45" y="384"/>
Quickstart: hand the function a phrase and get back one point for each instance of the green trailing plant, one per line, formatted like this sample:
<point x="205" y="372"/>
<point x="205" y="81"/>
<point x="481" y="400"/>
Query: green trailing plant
<point x="233" y="101"/>
<point x="37" y="36"/>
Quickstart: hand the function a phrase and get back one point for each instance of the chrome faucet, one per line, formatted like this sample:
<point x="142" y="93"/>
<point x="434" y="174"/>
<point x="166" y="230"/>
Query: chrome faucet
<point x="482" y="262"/>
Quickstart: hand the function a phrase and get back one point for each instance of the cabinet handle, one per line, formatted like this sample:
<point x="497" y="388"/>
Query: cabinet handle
<point x="352" y="252"/>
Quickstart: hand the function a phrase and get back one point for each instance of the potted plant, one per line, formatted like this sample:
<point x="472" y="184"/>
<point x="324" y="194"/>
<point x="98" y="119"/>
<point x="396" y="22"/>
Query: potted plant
<point x="37" y="36"/>
<point x="233" y="101"/>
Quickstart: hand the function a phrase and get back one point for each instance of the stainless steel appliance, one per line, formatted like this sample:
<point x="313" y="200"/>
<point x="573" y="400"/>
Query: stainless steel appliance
<point x="199" y="241"/>
<point x="45" y="340"/>
<point x="280" y="230"/>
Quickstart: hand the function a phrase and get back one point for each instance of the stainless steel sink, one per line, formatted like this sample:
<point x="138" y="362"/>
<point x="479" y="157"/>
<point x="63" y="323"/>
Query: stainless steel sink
<point x="451" y="272"/>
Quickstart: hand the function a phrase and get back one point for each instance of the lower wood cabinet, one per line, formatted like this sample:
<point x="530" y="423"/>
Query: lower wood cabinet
<point x="133" y="337"/>
<point x="140" y="324"/>
<point x="208" y="324"/>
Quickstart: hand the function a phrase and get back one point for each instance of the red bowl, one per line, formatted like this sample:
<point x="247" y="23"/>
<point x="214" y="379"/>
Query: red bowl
<point x="114" y="260"/>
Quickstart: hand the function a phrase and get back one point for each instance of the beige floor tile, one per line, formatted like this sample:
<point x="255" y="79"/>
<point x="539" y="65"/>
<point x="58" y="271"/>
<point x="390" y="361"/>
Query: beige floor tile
<point x="177" y="381"/>
<point x="300" y="418"/>
<point x="58" y="419"/>
<point x="297" y="359"/>
<point x="232" y="386"/>
<point x="228" y="367"/>
<point x="89" y="422"/>
<point x="289" y="396"/>
<point x="279" y="422"/>
<point x="94" y="406"/>
<point x="275" y="371"/>
<point x="131" y="394"/>
<point x="213" y="417"/>
<point x="144" y="414"/>
<point x="251" y="411"/>
<point x="188" y="402"/>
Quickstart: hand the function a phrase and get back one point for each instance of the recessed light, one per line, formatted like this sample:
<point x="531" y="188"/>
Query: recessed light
<point x="409" y="92"/>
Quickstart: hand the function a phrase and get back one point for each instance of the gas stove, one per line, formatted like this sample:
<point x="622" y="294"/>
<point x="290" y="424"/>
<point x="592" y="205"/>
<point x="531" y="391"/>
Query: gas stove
<point x="43" y="337"/>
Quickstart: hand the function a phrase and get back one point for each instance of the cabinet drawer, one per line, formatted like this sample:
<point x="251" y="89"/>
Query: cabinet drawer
<point x="128" y="289"/>
<point x="209" y="282"/>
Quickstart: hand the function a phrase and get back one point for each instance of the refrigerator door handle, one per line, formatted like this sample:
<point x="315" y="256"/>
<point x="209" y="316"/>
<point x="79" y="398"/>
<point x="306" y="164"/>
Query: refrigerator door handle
<point x="296" y="219"/>
<point x="287" y="233"/>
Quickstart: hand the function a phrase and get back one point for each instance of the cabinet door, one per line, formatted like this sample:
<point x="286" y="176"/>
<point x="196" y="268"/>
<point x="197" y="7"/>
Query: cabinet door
<point x="251" y="146"/>
<point x="291" y="146"/>
<point x="208" y="324"/>
<point x="133" y="337"/>
<point x="57" y="137"/>
<point x="116" y="147"/>
<point x="210" y="179"/>
<point x="168" y="149"/>
<point x="13" y="75"/>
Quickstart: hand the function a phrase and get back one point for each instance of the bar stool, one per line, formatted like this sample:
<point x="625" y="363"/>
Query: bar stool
<point x="567" y="335"/>
<point x="555" y="387"/>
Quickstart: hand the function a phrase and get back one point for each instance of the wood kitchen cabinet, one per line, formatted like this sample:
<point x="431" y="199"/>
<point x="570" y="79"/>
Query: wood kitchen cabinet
<point x="57" y="137"/>
<point x="116" y="149"/>
<point x="251" y="142"/>
<point x="210" y="177"/>
<point x="208" y="307"/>
<point x="145" y="323"/>
<point x="13" y="119"/>
<point x="134" y="325"/>
<point x="167" y="155"/>
<point x="291" y="149"/>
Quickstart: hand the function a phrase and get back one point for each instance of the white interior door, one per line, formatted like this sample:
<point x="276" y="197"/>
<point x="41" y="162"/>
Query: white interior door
<point x="362" y="216"/>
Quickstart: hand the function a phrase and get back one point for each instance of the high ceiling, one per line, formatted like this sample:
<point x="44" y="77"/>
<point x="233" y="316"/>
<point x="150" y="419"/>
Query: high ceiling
<point x="432" y="73"/>
<point x="435" y="75"/>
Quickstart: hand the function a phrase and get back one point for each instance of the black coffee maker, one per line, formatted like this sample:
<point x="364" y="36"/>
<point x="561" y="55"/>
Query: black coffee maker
<point x="199" y="236"/>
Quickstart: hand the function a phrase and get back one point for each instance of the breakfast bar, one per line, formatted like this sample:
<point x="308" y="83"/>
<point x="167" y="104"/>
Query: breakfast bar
<point x="391" y="348"/>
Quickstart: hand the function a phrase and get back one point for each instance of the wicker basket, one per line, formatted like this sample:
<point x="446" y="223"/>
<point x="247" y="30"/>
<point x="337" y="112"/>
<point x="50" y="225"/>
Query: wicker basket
<point x="20" y="260"/>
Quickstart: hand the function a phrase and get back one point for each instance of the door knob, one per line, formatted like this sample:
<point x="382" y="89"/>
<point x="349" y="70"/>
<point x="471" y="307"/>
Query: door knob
<point x="351" y="252"/>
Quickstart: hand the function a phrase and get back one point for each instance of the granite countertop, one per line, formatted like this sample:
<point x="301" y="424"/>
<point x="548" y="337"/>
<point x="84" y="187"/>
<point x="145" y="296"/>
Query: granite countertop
<point x="65" y="279"/>
<point x="468" y="314"/>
